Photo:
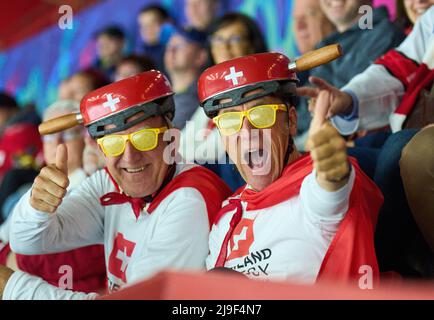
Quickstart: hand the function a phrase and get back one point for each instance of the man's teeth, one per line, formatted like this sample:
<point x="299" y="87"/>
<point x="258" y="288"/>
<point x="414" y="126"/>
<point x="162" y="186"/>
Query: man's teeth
<point x="256" y="157"/>
<point x="135" y="170"/>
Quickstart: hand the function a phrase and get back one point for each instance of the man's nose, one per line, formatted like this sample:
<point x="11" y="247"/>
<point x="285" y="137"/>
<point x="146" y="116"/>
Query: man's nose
<point x="246" y="127"/>
<point x="131" y="154"/>
<point x="300" y="24"/>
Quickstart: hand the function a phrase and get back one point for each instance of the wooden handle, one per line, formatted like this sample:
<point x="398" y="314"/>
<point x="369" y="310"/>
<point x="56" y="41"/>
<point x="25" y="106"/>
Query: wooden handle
<point x="60" y="123"/>
<point x="318" y="57"/>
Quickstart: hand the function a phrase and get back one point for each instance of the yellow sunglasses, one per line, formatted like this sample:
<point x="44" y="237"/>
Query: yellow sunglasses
<point x="143" y="140"/>
<point x="260" y="117"/>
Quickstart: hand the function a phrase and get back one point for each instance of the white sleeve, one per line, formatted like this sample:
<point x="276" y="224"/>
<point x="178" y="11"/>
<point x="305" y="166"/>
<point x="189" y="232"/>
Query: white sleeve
<point x="23" y="286"/>
<point x="378" y="95"/>
<point x="378" y="92"/>
<point x="322" y="205"/>
<point x="418" y="42"/>
<point x="180" y="239"/>
<point x="78" y="222"/>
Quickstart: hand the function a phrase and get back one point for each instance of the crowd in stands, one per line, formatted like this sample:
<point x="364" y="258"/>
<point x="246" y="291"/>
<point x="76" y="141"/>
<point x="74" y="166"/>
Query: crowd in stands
<point x="380" y="100"/>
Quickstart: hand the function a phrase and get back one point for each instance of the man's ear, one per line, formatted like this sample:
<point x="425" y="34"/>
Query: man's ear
<point x="292" y="121"/>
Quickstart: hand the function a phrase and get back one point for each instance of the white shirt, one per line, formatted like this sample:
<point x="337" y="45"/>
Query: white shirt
<point x="134" y="249"/>
<point x="286" y="241"/>
<point x="378" y="93"/>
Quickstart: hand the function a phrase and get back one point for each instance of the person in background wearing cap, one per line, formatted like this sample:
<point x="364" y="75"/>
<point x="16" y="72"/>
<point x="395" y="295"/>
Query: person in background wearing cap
<point x="184" y="59"/>
<point x="149" y="213"/>
<point x="87" y="263"/>
<point x="299" y="218"/>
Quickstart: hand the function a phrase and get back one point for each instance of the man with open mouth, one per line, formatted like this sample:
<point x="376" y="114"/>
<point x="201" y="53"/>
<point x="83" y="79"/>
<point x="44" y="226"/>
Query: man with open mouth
<point x="149" y="214"/>
<point x="302" y="218"/>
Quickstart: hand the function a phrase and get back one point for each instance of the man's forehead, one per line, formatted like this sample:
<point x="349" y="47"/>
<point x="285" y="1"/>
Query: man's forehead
<point x="252" y="103"/>
<point x="151" y="122"/>
<point x="251" y="93"/>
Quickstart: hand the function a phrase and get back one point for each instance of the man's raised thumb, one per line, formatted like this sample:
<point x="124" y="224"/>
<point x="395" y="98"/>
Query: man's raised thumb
<point x="62" y="158"/>
<point x="322" y="107"/>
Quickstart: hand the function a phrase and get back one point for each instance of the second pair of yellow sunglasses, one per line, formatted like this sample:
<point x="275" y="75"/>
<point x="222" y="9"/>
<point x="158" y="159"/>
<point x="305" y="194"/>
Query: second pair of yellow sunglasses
<point x="114" y="145"/>
<point x="260" y="117"/>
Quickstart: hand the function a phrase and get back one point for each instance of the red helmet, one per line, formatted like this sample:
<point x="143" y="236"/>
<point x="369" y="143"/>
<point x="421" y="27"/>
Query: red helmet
<point x="148" y="93"/>
<point x="232" y="79"/>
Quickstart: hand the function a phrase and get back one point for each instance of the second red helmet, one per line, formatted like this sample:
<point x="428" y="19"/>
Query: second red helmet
<point x="148" y="93"/>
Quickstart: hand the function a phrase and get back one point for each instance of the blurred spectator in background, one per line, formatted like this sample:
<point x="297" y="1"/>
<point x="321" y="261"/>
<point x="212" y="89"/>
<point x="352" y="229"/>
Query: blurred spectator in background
<point x="201" y="13"/>
<point x="235" y="35"/>
<point x="20" y="148"/>
<point x="93" y="158"/>
<point x="408" y="11"/>
<point x="75" y="88"/>
<point x="231" y="36"/>
<point x="79" y="84"/>
<point x="110" y="44"/>
<point x="311" y="26"/>
<point x="155" y="30"/>
<point x="87" y="263"/>
<point x="361" y="46"/>
<point x="184" y="59"/>
<point x="20" y="160"/>
<point x="64" y="90"/>
<point x="397" y="90"/>
<point x="132" y="65"/>
<point x="72" y="138"/>
<point x="8" y="108"/>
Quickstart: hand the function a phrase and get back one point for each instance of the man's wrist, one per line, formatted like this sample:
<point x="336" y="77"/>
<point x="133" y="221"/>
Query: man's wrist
<point x="352" y="111"/>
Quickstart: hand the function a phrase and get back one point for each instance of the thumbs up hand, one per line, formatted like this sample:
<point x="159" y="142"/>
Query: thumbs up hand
<point x="49" y="187"/>
<point x="327" y="147"/>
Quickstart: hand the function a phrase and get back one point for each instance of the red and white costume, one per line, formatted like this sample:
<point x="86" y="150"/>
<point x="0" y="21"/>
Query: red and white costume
<point x="170" y="232"/>
<point x="293" y="229"/>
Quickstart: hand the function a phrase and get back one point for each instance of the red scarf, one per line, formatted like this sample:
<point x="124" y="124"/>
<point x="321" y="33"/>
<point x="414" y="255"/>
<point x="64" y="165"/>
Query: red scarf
<point x="137" y="204"/>
<point x="4" y="252"/>
<point x="413" y="76"/>
<point x="211" y="187"/>
<point x="353" y="244"/>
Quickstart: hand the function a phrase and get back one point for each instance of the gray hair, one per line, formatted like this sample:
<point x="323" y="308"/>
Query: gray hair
<point x="61" y="107"/>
